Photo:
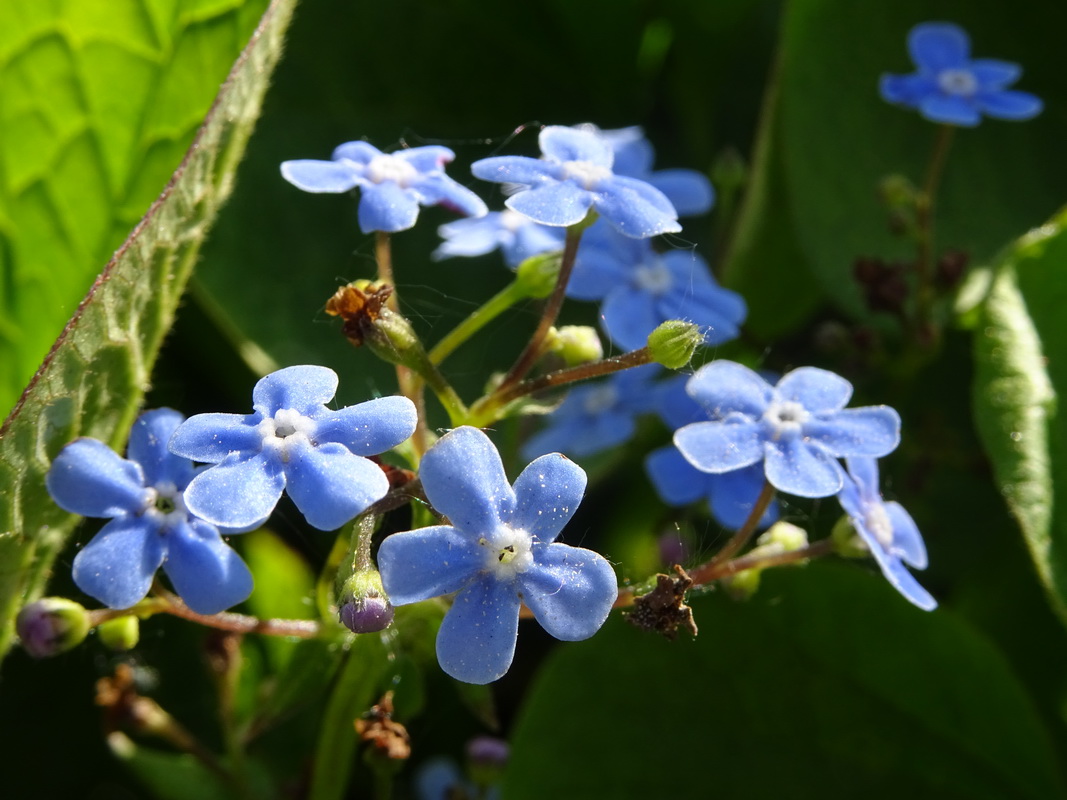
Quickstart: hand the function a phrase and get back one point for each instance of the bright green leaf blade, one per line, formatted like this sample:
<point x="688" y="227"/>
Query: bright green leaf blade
<point x="1017" y="382"/>
<point x="93" y="379"/>
<point x="826" y="684"/>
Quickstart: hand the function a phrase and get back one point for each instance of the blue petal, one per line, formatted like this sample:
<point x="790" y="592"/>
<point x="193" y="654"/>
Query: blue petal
<point x="547" y="494"/>
<point x="149" y="438"/>
<point x="906" y="90"/>
<point x="936" y="46"/>
<point x="476" y="642"/>
<point x="429" y="562"/>
<point x="440" y="779"/>
<point x="952" y="110"/>
<point x="559" y="204"/>
<point x="429" y="158"/>
<point x="907" y="541"/>
<point x="869" y="431"/>
<point x="304" y="389"/>
<point x="531" y="239"/>
<point x="440" y="190"/>
<point x="634" y="153"/>
<point x="205" y="571"/>
<point x="734" y="494"/>
<point x="570" y="590"/>
<point x="994" y="74"/>
<point x="569" y="144"/>
<point x="817" y="390"/>
<point x="117" y="566"/>
<point x="634" y="208"/>
<point x="239" y="492"/>
<point x="469" y="237"/>
<point x="674" y="405"/>
<point x="360" y="152"/>
<point x="677" y="482"/>
<point x="211" y="437"/>
<point x="1010" y="105"/>
<point x="387" y="207"/>
<point x="464" y="479"/>
<point x="903" y="581"/>
<point x="796" y="467"/>
<point x="720" y="446"/>
<point x="689" y="191"/>
<point x="582" y="435"/>
<point x="596" y="273"/>
<point x="864" y="472"/>
<point x="320" y="176"/>
<point x="368" y="428"/>
<point x="331" y="486"/>
<point x="725" y="386"/>
<point x="628" y="316"/>
<point x="514" y="169"/>
<point x="91" y="479"/>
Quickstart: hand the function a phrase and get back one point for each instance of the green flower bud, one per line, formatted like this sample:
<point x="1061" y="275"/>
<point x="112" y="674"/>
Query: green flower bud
<point x="673" y="343"/>
<point x="897" y="192"/>
<point x="368" y="320"/>
<point x="742" y="585"/>
<point x="847" y="542"/>
<point x="784" y="536"/>
<point x="121" y="633"/>
<point x="364" y="606"/>
<point x="536" y="276"/>
<point x="575" y="344"/>
<point x="51" y="625"/>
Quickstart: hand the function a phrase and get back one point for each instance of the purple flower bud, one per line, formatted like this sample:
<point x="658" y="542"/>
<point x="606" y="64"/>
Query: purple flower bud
<point x="365" y="608"/>
<point x="51" y="625"/>
<point x="487" y="751"/>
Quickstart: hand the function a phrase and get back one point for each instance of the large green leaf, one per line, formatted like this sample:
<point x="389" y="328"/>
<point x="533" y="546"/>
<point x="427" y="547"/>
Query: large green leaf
<point x="94" y="377"/>
<point x="826" y="684"/>
<point x="1019" y="342"/>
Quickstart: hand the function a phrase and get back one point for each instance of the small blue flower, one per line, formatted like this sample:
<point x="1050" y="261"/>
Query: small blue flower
<point x="641" y="289"/>
<point x="150" y="525"/>
<point x="952" y="88"/>
<point x="596" y="416"/>
<point x="517" y="236"/>
<point x="798" y="429"/>
<point x="573" y="176"/>
<point x="498" y="552"/>
<point x="292" y="441"/>
<point x="689" y="191"/>
<point x="887" y="529"/>
<point x="392" y="185"/>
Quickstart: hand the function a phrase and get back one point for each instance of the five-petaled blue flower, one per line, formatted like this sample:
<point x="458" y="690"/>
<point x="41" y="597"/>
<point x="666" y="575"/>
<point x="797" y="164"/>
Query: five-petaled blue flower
<point x="498" y="552"/>
<point x="952" y="88"/>
<point x="292" y="441"/>
<point x="150" y="525"/>
<point x="887" y="529"/>
<point x="517" y="236"/>
<point x="573" y="176"/>
<point x="641" y="289"/>
<point x="392" y="185"/>
<point x="798" y="429"/>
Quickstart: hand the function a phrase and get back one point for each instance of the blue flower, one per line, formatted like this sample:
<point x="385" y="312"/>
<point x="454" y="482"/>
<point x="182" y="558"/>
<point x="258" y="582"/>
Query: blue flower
<point x="517" y="236"/>
<point x="952" y="88"/>
<point x="573" y="176"/>
<point x="392" y="185"/>
<point x="689" y="191"/>
<point x="498" y="552"/>
<point x="596" y="416"/>
<point x="798" y="429"/>
<point x="641" y="289"/>
<point x="292" y="441"/>
<point x="150" y="525"/>
<point x="887" y="529"/>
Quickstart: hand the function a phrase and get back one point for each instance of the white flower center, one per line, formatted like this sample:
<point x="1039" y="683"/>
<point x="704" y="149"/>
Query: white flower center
<point x="585" y="173"/>
<point x="879" y="525"/>
<point x="787" y="418"/>
<point x="957" y="82"/>
<point x="164" y="504"/>
<point x="287" y="429"/>
<point x="511" y="221"/>
<point x="508" y="554"/>
<point x="390" y="168"/>
<point x="653" y="278"/>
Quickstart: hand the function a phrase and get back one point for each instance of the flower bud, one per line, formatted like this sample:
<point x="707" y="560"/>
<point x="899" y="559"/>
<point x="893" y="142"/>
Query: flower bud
<point x="368" y="320"/>
<point x="575" y="344"/>
<point x="742" y="585"/>
<point x="365" y="608"/>
<point x="537" y="275"/>
<point x="486" y="758"/>
<point x="847" y="542"/>
<point x="51" y="625"/>
<point x="121" y="633"/>
<point x="673" y="343"/>
<point x="784" y="536"/>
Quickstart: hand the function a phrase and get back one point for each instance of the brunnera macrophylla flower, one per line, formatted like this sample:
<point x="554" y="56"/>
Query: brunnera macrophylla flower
<point x="886" y="529"/>
<point x="150" y="524"/>
<point x="517" y="236"/>
<point x="949" y="86"/>
<point x="392" y="185"/>
<point x="293" y="442"/>
<point x="798" y="429"/>
<point x="573" y="176"/>
<point x="498" y="551"/>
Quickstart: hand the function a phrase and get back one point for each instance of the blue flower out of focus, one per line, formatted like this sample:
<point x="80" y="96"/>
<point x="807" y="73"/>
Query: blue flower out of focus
<point x="641" y="289"/>
<point x="952" y="88"/>
<point x="798" y="429"/>
<point x="887" y="529"/>
<point x="517" y="236"/>
<point x="392" y="185"/>
<point x="573" y="176"/>
<point x="150" y="525"/>
<point x="498" y="552"/>
<point x="292" y="441"/>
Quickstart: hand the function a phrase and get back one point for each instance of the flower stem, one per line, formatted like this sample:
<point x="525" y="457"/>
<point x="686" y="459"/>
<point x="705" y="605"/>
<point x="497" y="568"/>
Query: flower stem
<point x="924" y="222"/>
<point x="482" y="316"/>
<point x="383" y="254"/>
<point x="744" y="533"/>
<point x="168" y="603"/>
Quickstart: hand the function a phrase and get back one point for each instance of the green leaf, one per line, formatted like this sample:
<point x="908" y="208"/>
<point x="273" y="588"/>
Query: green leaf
<point x="826" y="684"/>
<point x="1017" y="382"/>
<point x="93" y="379"/>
